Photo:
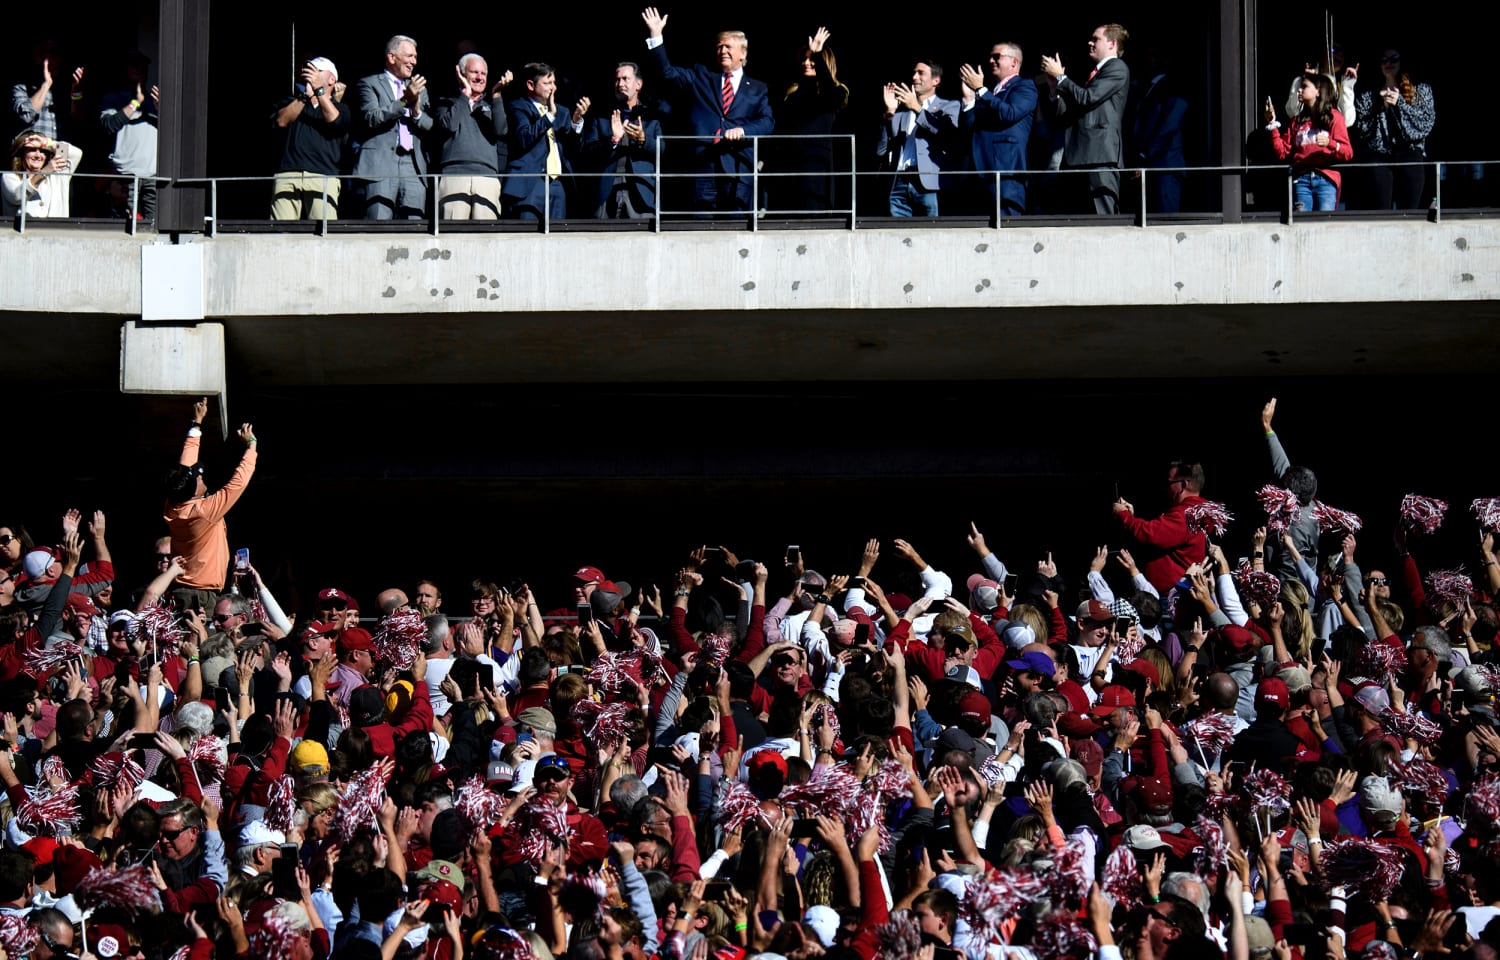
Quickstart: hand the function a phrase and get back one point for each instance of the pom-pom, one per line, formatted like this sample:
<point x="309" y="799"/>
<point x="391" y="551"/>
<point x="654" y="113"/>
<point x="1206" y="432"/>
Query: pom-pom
<point x="901" y="937"/>
<point x="398" y="638"/>
<point x="479" y="805"/>
<point x="276" y="938"/>
<point x="55" y="771"/>
<point x="1487" y="512"/>
<point x="1122" y="878"/>
<point x="1212" y="853"/>
<point x="1267" y="792"/>
<point x="48" y="813"/>
<point x="41" y="662"/>
<point x="281" y="804"/>
<point x="824" y="715"/>
<point x="1334" y="520"/>
<point x="583" y="895"/>
<point x="995" y="896"/>
<point x="1281" y="506"/>
<point x="1378" y="659"/>
<point x="738" y="805"/>
<point x="826" y="793"/>
<point x="1068" y="880"/>
<point x="1411" y="726"/>
<point x="605" y="725"/>
<point x="1208" y="517"/>
<point x="1422" y="514"/>
<point x="1129" y="648"/>
<point x="1364" y="867"/>
<point x="16" y="935"/>
<point x="502" y="943"/>
<point x="620" y="674"/>
<point x="716" y="648"/>
<point x="543" y="826"/>
<point x="1213" y="732"/>
<point x="161" y="628"/>
<point x="130" y="890"/>
<point x="361" y="798"/>
<point x="111" y="768"/>
<point x="207" y="755"/>
<point x="1448" y="586"/>
<point x="991" y="769"/>
<point x="1255" y="585"/>
<point x="1423" y="784"/>
<point x="1062" y="935"/>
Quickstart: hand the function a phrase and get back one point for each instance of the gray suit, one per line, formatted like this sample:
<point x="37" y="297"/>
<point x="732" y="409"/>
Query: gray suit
<point x="390" y="173"/>
<point x="932" y="136"/>
<point x="1095" y="112"/>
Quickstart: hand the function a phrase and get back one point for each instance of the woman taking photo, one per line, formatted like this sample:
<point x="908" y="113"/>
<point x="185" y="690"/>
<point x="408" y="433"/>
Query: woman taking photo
<point x="1393" y="124"/>
<point x="40" y="179"/>
<point x="1315" y="140"/>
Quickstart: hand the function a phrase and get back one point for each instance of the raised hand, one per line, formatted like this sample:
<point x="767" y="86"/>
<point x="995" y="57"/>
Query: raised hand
<point x="655" y="22"/>
<point x="816" y="41"/>
<point x="1268" y="412"/>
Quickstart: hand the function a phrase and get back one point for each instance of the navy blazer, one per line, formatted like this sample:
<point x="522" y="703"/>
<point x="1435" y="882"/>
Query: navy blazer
<point x="1000" y="126"/>
<point x="377" y="114"/>
<point x="1096" y="115"/>
<point x="528" y="150"/>
<point x="750" y="110"/>
<point x="600" y="155"/>
<point x="934" y="130"/>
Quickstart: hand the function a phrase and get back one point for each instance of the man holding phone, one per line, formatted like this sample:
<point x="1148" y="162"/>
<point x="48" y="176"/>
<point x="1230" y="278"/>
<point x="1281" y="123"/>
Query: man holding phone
<point x="1167" y="544"/>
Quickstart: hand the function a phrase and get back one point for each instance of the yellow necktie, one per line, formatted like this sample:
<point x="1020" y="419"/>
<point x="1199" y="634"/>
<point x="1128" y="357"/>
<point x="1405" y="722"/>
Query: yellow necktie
<point x="554" y="159"/>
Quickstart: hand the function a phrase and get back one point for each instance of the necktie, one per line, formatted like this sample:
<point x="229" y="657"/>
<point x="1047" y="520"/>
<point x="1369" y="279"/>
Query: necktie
<point x="403" y="132"/>
<point x="554" y="158"/>
<point x="726" y="98"/>
<point x="1092" y="74"/>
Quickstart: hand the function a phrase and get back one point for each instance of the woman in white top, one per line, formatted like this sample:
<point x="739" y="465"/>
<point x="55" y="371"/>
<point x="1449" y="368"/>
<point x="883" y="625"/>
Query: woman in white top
<point x="41" y="177"/>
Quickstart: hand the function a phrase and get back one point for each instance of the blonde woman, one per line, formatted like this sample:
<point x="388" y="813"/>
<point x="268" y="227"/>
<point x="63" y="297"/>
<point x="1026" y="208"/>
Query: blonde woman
<point x="41" y="176"/>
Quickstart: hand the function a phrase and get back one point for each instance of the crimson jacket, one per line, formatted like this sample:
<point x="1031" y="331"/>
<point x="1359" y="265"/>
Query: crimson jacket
<point x="1167" y="545"/>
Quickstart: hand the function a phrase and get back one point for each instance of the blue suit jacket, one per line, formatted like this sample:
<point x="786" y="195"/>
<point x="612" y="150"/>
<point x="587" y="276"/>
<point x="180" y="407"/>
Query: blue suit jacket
<point x="376" y="117"/>
<point x="751" y="110"/>
<point x="528" y="150"/>
<point x="1000" y="126"/>
<point x="934" y="131"/>
<point x="602" y="156"/>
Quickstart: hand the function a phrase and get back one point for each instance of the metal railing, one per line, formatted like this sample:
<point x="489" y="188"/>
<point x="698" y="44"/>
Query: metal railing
<point x="133" y="204"/>
<point x="1134" y="180"/>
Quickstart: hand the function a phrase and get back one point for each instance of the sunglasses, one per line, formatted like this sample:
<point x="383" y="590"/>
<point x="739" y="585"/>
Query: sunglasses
<point x="551" y="766"/>
<point x="61" y="950"/>
<point x="334" y="604"/>
<point x="170" y="835"/>
<point x="1377" y="581"/>
<point x="224" y="617"/>
<point x="1150" y="912"/>
<point x="1395" y="59"/>
<point x="6" y="539"/>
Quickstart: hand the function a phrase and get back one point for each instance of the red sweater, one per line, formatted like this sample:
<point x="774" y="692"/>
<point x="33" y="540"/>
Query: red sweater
<point x="1298" y="141"/>
<point x="1168" y="547"/>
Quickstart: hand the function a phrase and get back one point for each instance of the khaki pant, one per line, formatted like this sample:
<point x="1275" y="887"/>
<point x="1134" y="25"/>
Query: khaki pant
<point x="470" y="198"/>
<point x="297" y="195"/>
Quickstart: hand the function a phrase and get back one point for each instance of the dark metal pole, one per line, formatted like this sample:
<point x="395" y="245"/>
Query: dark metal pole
<point x="1237" y="62"/>
<point x="182" y="146"/>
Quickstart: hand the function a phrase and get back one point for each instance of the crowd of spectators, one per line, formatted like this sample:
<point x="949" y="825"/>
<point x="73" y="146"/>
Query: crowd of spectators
<point x="482" y="144"/>
<point x="1164" y="754"/>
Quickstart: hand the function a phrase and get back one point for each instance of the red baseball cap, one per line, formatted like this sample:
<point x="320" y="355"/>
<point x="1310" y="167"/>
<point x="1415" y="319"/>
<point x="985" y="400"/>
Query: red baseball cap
<point x="81" y="601"/>
<point x="334" y="593"/>
<point x="975" y="706"/>
<point x="355" y="638"/>
<point x="1093" y="610"/>
<point x="1111" y="698"/>
<point x="589" y="575"/>
<point x="1273" y="690"/>
<point x="767" y="757"/>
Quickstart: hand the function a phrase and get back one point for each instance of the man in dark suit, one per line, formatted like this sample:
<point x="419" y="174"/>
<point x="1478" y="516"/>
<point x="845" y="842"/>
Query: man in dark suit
<point x="1157" y="110"/>
<point x="997" y="117"/>
<point x="389" y="124"/>
<point x="917" y="136"/>
<point x="538" y="131"/>
<point x="725" y="107"/>
<point x="1095" y="110"/>
<point x="622" y="147"/>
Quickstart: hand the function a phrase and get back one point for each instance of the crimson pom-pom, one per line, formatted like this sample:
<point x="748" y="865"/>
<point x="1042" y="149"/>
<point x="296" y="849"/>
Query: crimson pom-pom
<point x="824" y="715"/>
<point x="901" y="937"/>
<point x="1256" y="585"/>
<point x="1208" y="517"/>
<point x="738" y="805"/>
<point x="130" y="890"/>
<point x="479" y="805"/>
<point x="1487" y="511"/>
<point x="275" y="938"/>
<point x="114" y="767"/>
<point x="502" y="943"/>
<point x="1423" y="784"/>
<point x="160" y="626"/>
<point x="1266" y="790"/>
<point x="606" y="725"/>
<point x="1068" y="880"/>
<point x="1218" y="805"/>
<point x="281" y="804"/>
<point x="206" y="751"/>
<point x="890" y="780"/>
<point x="993" y="897"/>
<point x="1212" y="853"/>
<point x="543" y="826"/>
<point x="1411" y="726"/>
<point x="1281" y="506"/>
<point x="1122" y="878"/>
<point x="826" y="793"/>
<point x="715" y="648"/>
<point x="1334" y="520"/>
<point x="1482" y="807"/>
<point x="49" y="813"/>
<point x="1061" y="935"/>
<point x="1424" y="514"/>
<point x="1213" y="732"/>
<point x="361" y="798"/>
<point x="619" y="674"/>
<point x="41" y="662"/>
<point x="1363" y="867"/>
<point x="398" y="638"/>
<point x="1377" y="659"/>
<point x="17" y="936"/>
<point x="55" y="771"/>
<point x="1450" y="586"/>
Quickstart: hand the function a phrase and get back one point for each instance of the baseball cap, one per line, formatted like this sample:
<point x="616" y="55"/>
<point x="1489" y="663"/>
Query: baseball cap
<point x="310" y="759"/>
<point x="355" y="638"/>
<point x="1019" y="635"/>
<point x="1093" y="610"/>
<point x="323" y="63"/>
<point x="498" y="772"/>
<point x="1111" y="698"/>
<point x="1144" y="837"/>
<point x="964" y="674"/>
<point x="589" y="575"/>
<point x="984" y="593"/>
<point x="1124" y="609"/>
<point x="956" y="738"/>
<point x="764" y="758"/>
<point x="1378" y="799"/>
<point x="444" y="893"/>
<point x="1372" y="697"/>
<point x="1273" y="691"/>
<point x="1145" y="668"/>
<point x="442" y="871"/>
<point x="539" y="719"/>
<point x="332" y="595"/>
<point x="1238" y="639"/>
<point x="37" y="562"/>
<point x="824" y="921"/>
<point x="256" y="833"/>
<point x="1034" y="661"/>
<point x="975" y="706"/>
<point x="108" y="940"/>
<point x="1090" y="755"/>
<point x="81" y="602"/>
<point x="366" y="706"/>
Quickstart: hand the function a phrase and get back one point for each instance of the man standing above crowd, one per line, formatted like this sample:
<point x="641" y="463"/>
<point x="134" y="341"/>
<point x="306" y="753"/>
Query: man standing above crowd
<point x="474" y="128"/>
<point x="726" y="107"/>
<point x="195" y="518"/>
<point x="623" y="147"/>
<point x="317" y="130"/>
<point x="999" y="121"/>
<point x="1166" y="542"/>
<point x="392" y="120"/>
<point x="1095" y="112"/>
<point x="129" y="115"/>
<point x="917" y="133"/>
<point x="537" y="132"/>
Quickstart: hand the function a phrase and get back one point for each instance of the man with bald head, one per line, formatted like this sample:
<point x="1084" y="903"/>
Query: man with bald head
<point x="473" y="127"/>
<point x="389" y="601"/>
